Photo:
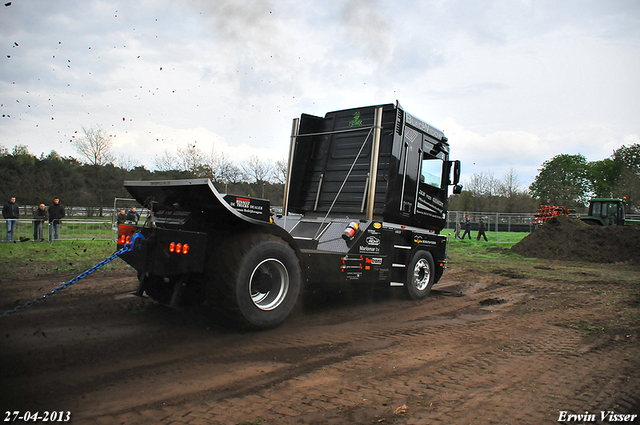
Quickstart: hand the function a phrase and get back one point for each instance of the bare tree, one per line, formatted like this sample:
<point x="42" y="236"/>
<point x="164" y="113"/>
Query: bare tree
<point x="166" y="162"/>
<point x="482" y="185"/>
<point x="280" y="171"/>
<point x="95" y="146"/>
<point x="20" y="150"/>
<point x="127" y="162"/>
<point x="192" y="159"/>
<point x="224" y="170"/>
<point x="256" y="170"/>
<point x="510" y="186"/>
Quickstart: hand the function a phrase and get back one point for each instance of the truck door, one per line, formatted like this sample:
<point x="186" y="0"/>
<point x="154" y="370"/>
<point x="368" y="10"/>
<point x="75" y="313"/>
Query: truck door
<point x="411" y="158"/>
<point x="430" y="197"/>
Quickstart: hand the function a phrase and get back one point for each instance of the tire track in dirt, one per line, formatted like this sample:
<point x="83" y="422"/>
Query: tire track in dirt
<point x="455" y="382"/>
<point x="348" y="344"/>
<point x="470" y="353"/>
<point x="160" y="366"/>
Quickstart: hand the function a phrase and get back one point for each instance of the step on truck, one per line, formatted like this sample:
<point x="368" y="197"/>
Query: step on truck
<point x="364" y="204"/>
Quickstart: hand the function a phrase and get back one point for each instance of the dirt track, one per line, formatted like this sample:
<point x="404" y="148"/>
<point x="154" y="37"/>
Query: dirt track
<point x="483" y="349"/>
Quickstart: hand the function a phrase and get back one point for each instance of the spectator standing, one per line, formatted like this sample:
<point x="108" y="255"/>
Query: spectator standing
<point x="467" y="228"/>
<point x="481" y="229"/>
<point x="458" y="228"/>
<point x="40" y="215"/>
<point x="56" y="213"/>
<point x="121" y="217"/>
<point x="133" y="216"/>
<point x="11" y="214"/>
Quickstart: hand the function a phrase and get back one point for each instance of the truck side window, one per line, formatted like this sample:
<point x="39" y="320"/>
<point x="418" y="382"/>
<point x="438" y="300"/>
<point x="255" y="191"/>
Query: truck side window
<point x="431" y="172"/>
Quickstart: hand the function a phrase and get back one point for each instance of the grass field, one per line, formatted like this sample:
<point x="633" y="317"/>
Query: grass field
<point x="496" y="258"/>
<point x="471" y="255"/>
<point x="71" y="229"/>
<point x="51" y="257"/>
<point x="508" y="238"/>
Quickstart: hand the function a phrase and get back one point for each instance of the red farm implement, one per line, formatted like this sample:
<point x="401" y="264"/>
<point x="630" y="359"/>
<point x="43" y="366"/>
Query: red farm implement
<point x="545" y="212"/>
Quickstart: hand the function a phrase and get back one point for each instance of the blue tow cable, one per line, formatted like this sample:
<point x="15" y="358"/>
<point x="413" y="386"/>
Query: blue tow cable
<point x="127" y="247"/>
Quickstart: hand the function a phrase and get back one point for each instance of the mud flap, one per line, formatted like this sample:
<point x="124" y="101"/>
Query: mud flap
<point x="178" y="290"/>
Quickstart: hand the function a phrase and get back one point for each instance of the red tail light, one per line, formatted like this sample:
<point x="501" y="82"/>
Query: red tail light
<point x="179" y="248"/>
<point x="125" y="232"/>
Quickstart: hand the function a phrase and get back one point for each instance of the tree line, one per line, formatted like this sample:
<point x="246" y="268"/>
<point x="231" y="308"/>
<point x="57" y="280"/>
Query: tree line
<point x="571" y="180"/>
<point x="96" y="177"/>
<point x="564" y="180"/>
<point x="485" y="192"/>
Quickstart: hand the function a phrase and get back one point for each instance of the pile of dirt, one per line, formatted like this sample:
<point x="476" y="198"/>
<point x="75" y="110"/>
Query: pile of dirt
<point x="565" y="238"/>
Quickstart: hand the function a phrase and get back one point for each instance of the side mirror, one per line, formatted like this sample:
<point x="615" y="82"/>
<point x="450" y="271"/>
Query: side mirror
<point x="456" y="173"/>
<point x="455" y="167"/>
<point x="457" y="189"/>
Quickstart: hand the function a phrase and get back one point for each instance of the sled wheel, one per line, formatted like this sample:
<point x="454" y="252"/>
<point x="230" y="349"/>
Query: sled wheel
<point x="420" y="275"/>
<point x="259" y="280"/>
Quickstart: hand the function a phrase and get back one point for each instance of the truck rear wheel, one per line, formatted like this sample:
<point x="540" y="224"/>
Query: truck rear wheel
<point x="259" y="280"/>
<point x="420" y="275"/>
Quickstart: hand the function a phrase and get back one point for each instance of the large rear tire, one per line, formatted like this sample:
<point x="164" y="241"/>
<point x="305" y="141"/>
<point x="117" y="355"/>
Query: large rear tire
<point x="257" y="280"/>
<point x="421" y="275"/>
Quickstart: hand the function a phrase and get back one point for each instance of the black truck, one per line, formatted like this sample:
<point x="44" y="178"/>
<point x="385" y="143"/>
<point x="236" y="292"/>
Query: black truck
<point x="365" y="201"/>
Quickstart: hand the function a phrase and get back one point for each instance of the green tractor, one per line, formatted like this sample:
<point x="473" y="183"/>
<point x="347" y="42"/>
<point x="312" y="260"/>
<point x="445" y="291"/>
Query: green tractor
<point x="607" y="212"/>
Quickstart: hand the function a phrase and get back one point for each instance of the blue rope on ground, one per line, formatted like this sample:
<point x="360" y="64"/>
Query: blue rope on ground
<point x="127" y="247"/>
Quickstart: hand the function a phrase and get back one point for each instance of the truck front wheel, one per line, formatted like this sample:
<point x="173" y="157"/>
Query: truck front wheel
<point x="259" y="280"/>
<point x="420" y="275"/>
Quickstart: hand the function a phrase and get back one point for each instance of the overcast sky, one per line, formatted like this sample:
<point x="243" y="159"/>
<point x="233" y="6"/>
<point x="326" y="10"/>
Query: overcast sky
<point x="511" y="83"/>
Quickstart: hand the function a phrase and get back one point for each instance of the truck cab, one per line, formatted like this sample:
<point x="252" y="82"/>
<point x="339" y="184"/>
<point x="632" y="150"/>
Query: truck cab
<point x="382" y="167"/>
<point x="376" y="162"/>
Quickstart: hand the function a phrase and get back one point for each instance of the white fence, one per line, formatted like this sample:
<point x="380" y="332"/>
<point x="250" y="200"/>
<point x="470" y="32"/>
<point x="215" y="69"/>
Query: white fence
<point x="71" y="229"/>
<point x="106" y="228"/>
<point x="501" y="222"/>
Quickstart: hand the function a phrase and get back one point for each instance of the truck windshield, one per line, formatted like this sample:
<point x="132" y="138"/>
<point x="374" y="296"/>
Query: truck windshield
<point x="431" y="172"/>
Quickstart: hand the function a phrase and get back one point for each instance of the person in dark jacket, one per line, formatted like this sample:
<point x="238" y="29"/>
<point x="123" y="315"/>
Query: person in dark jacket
<point x="56" y="213"/>
<point x="121" y="217"/>
<point x="467" y="228"/>
<point x="481" y="230"/>
<point x="40" y="215"/>
<point x="11" y="213"/>
<point x="133" y="216"/>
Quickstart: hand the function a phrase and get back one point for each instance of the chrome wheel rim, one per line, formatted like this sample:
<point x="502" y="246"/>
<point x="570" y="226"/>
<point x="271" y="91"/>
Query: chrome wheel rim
<point x="421" y="274"/>
<point x="269" y="284"/>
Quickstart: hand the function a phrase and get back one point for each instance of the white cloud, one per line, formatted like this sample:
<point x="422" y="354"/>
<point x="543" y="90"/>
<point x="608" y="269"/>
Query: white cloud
<point x="160" y="138"/>
<point x="511" y="83"/>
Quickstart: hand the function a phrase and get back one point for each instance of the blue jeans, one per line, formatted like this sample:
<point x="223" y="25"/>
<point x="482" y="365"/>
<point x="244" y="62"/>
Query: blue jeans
<point x="38" y="230"/>
<point x="12" y="223"/>
<point x="54" y="230"/>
